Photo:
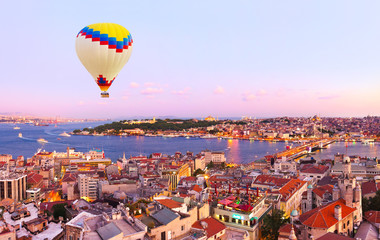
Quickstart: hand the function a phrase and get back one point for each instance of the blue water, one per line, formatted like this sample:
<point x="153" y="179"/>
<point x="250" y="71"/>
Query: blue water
<point x="238" y="151"/>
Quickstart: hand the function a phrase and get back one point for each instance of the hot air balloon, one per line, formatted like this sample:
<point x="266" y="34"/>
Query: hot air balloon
<point x="104" y="49"/>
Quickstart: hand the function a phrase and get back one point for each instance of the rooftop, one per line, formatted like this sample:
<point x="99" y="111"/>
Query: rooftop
<point x="323" y="217"/>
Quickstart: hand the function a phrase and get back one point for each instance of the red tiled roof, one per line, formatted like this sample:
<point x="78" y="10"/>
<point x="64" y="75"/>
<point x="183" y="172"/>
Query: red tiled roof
<point x="34" y="178"/>
<point x="189" y="179"/>
<point x="69" y="177"/>
<point x="323" y="217"/>
<point x="270" y="180"/>
<point x="372" y="216"/>
<point x="319" y="169"/>
<point x="212" y="228"/>
<point x="370" y="187"/>
<point x="169" y="203"/>
<point x="290" y="188"/>
<point x="285" y="228"/>
<point x="330" y="236"/>
<point x="196" y="188"/>
<point x="323" y="189"/>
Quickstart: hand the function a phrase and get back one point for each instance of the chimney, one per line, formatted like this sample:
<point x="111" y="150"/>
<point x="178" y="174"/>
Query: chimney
<point x="338" y="212"/>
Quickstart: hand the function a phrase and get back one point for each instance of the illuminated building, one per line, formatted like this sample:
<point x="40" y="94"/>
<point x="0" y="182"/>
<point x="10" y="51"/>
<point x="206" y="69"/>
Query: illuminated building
<point x="88" y="187"/>
<point x="215" y="157"/>
<point x="92" y="162"/>
<point x="245" y="216"/>
<point x="12" y="186"/>
<point x="174" y="174"/>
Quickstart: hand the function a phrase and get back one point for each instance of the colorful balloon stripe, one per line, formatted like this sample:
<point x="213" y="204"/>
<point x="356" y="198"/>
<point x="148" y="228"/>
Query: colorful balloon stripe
<point x="103" y="39"/>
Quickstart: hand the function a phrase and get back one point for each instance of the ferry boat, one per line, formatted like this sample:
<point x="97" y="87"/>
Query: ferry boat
<point x="20" y="135"/>
<point x="16" y="128"/>
<point x="65" y="134"/>
<point x="41" y="140"/>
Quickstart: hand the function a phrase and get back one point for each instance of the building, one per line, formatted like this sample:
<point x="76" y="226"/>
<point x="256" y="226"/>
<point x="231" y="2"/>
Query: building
<point x="34" y="194"/>
<point x="7" y="232"/>
<point x="315" y="172"/>
<point x="245" y="215"/>
<point x="213" y="228"/>
<point x="291" y="195"/>
<point x="88" y="187"/>
<point x="35" y="180"/>
<point x="168" y="224"/>
<point x="174" y="174"/>
<point x="36" y="225"/>
<point x="215" y="157"/>
<point x="335" y="217"/>
<point x="282" y="165"/>
<point x="98" y="163"/>
<point x="116" y="226"/>
<point x="200" y="163"/>
<point x="12" y="185"/>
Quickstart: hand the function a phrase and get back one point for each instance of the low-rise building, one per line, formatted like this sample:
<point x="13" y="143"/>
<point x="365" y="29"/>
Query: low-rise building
<point x="335" y="217"/>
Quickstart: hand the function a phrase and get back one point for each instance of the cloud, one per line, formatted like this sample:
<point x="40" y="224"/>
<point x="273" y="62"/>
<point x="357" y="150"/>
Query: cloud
<point x="328" y="97"/>
<point x="149" y="84"/>
<point x="81" y="103"/>
<point x="151" y="91"/>
<point x="219" y="90"/>
<point x="261" y="92"/>
<point x="248" y="96"/>
<point x="134" y="85"/>
<point x="184" y="92"/>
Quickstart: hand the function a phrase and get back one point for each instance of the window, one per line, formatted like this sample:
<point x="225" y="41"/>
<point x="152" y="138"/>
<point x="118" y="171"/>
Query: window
<point x="183" y="227"/>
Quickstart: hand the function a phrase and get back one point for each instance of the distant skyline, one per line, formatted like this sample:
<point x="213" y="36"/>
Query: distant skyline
<point x="197" y="58"/>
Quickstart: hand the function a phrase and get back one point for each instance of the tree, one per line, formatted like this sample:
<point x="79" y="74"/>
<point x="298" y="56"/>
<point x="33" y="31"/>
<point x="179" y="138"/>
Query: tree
<point x="198" y="171"/>
<point x="372" y="203"/>
<point x="223" y="165"/>
<point x="272" y="223"/>
<point x="59" y="210"/>
<point x="210" y="165"/>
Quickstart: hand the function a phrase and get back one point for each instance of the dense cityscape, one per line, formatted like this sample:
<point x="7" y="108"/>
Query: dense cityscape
<point x="185" y="195"/>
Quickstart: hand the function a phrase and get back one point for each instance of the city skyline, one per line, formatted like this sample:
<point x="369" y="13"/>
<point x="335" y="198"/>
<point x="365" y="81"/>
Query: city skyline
<point x="197" y="59"/>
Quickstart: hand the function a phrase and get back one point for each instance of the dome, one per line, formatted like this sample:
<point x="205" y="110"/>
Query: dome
<point x="294" y="213"/>
<point x="346" y="159"/>
<point x="310" y="186"/>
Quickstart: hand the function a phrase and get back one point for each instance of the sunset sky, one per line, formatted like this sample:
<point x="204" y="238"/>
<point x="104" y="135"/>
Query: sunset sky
<point x="196" y="58"/>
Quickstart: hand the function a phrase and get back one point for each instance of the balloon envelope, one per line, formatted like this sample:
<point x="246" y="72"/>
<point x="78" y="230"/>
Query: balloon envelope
<point x="104" y="49"/>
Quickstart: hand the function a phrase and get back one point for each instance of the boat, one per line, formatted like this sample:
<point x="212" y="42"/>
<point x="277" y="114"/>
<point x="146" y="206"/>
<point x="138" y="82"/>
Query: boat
<point x="58" y="138"/>
<point x="41" y="140"/>
<point x="16" y="128"/>
<point x="20" y="135"/>
<point x="98" y="134"/>
<point x="65" y="134"/>
<point x="209" y="136"/>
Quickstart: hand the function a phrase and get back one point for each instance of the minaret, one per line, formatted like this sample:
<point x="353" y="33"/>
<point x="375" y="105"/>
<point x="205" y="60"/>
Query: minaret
<point x="349" y="196"/>
<point x="347" y="167"/>
<point x="336" y="193"/>
<point x="292" y="235"/>
<point x="309" y="204"/>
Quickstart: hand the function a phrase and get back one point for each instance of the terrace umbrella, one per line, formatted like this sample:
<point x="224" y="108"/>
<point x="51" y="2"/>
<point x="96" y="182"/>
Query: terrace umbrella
<point x="245" y="207"/>
<point x="225" y="202"/>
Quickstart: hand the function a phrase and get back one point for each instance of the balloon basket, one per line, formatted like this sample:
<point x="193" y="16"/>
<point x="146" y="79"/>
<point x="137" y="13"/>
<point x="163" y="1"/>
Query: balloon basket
<point x="105" y="95"/>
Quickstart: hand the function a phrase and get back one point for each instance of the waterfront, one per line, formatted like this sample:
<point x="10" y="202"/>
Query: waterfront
<point x="237" y="151"/>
